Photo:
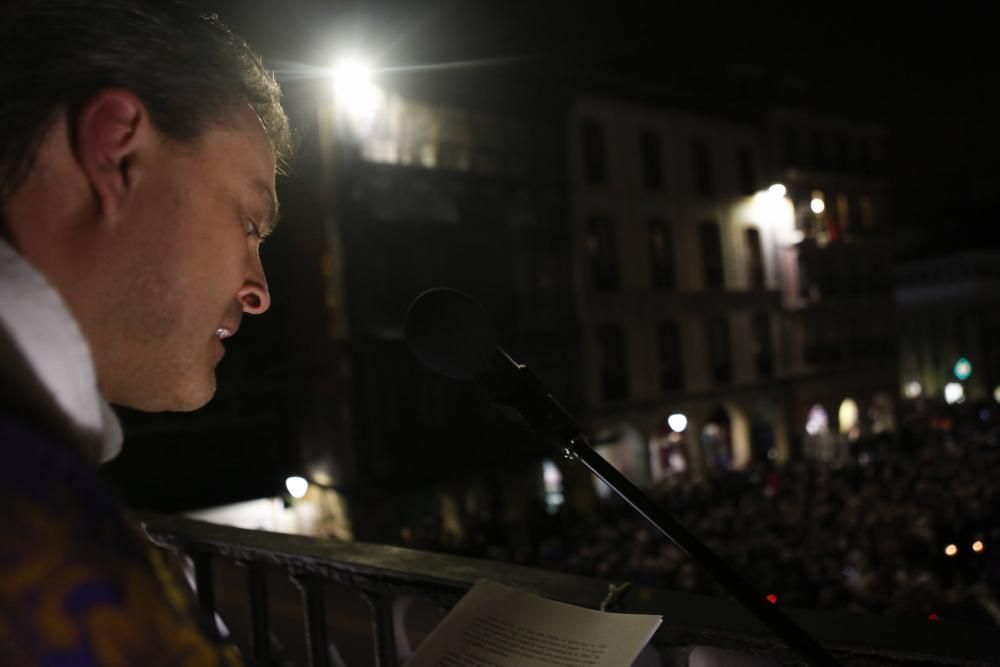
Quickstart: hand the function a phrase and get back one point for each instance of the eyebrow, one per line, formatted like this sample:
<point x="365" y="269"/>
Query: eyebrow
<point x="273" y="212"/>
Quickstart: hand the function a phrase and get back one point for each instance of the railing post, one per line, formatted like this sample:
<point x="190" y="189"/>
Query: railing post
<point x="203" y="582"/>
<point x="260" y="626"/>
<point x="315" y="612"/>
<point x="383" y="629"/>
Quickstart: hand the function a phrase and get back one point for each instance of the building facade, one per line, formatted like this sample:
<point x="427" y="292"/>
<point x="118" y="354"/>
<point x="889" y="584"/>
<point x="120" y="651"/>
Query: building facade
<point x="762" y="315"/>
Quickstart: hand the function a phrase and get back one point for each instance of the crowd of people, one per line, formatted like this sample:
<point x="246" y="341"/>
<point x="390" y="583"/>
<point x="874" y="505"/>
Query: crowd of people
<point x="908" y="528"/>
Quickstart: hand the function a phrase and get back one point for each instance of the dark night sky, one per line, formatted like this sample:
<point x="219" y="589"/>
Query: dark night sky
<point x="926" y="72"/>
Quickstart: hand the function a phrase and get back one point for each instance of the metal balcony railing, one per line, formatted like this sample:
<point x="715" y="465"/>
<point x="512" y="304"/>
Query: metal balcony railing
<point x="238" y="574"/>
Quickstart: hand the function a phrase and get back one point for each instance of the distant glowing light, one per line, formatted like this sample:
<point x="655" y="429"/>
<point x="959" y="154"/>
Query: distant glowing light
<point x="551" y="476"/>
<point x="962" y="369"/>
<point x="552" y="480"/>
<point x="297" y="486"/>
<point x="978" y="546"/>
<point x="933" y="617"/>
<point x="950" y="550"/>
<point x="912" y="389"/>
<point x="817" y="205"/>
<point x="772" y="212"/>
<point x="677" y="422"/>
<point x="996" y="394"/>
<point x="772" y="598"/>
<point x="954" y="393"/>
<point x="818" y="421"/>
<point x="847" y="415"/>
<point x="321" y="477"/>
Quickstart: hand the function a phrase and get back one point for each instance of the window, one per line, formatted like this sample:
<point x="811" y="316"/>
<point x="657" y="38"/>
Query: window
<point x="748" y="175"/>
<point x="755" y="259"/>
<point x="843" y="212"/>
<point x="820" y="218"/>
<point x="841" y="153"/>
<point x="661" y="254"/>
<point x="652" y="162"/>
<point x="792" y="151"/>
<point x="602" y="253"/>
<point x="613" y="374"/>
<point x="867" y="212"/>
<point x="668" y="343"/>
<point x="719" y="350"/>
<point x="594" y="153"/>
<point x="817" y="150"/>
<point x="711" y="255"/>
<point x="813" y="340"/>
<point x="865" y="162"/>
<point x="936" y="339"/>
<point x="702" y="168"/>
<point x="762" y="348"/>
<point x="806" y="283"/>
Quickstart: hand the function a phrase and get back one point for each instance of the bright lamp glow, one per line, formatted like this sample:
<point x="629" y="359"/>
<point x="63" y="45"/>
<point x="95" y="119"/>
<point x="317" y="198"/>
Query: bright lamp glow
<point x="978" y="546"/>
<point x="778" y="190"/>
<point x="817" y="205"/>
<point x="912" y="389"/>
<point x="677" y="422"/>
<point x="351" y="78"/>
<point x="297" y="486"/>
<point x="954" y="393"/>
<point x="950" y="550"/>
<point x="356" y="97"/>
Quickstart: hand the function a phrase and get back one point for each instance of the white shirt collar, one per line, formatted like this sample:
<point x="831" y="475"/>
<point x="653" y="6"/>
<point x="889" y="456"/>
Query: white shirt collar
<point x="54" y="354"/>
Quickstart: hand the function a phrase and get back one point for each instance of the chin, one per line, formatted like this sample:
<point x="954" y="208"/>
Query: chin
<point x="182" y="397"/>
<point x="194" y="397"/>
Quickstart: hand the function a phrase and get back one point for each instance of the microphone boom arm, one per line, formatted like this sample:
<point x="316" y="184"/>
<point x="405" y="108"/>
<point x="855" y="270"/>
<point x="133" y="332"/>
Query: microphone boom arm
<point x="523" y="390"/>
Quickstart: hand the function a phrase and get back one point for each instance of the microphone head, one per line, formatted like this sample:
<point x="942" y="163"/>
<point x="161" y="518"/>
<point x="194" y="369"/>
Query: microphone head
<point x="451" y="333"/>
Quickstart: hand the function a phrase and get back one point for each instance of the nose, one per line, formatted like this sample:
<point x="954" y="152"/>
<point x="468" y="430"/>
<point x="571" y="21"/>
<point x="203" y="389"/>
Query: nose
<point x="254" y="295"/>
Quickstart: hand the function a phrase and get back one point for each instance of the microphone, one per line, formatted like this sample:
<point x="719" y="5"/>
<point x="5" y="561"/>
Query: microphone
<point x="452" y="334"/>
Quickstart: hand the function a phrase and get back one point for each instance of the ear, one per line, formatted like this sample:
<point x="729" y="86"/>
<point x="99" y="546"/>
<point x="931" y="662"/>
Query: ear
<point x="111" y="128"/>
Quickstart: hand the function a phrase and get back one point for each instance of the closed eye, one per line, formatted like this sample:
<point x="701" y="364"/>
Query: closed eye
<point x="253" y="229"/>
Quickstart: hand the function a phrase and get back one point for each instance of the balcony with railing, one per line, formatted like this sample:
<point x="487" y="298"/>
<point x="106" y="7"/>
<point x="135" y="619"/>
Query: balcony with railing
<point x="293" y="600"/>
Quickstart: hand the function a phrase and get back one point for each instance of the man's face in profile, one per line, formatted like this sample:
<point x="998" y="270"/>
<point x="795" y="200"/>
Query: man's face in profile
<point x="190" y="267"/>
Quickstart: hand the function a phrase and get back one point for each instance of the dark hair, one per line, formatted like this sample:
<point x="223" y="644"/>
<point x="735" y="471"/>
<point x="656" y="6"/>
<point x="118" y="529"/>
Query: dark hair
<point x="190" y="71"/>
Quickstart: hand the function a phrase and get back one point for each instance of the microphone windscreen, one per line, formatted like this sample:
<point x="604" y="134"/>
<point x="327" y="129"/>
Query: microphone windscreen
<point x="451" y="333"/>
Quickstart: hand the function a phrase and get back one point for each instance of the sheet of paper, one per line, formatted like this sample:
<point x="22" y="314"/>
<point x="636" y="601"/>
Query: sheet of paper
<point x="498" y="626"/>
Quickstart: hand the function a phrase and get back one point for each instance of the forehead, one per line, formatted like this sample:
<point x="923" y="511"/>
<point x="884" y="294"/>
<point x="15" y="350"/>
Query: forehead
<point x="235" y="161"/>
<point x="244" y="132"/>
<point x="237" y="151"/>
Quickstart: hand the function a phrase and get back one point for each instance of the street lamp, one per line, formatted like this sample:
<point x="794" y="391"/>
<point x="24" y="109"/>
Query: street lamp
<point x="350" y="76"/>
<point x="677" y="422"/>
<point x="297" y="486"/>
<point x="355" y="95"/>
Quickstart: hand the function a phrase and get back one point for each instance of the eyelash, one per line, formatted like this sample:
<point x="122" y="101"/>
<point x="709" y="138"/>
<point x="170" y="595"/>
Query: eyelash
<point x="252" y="228"/>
